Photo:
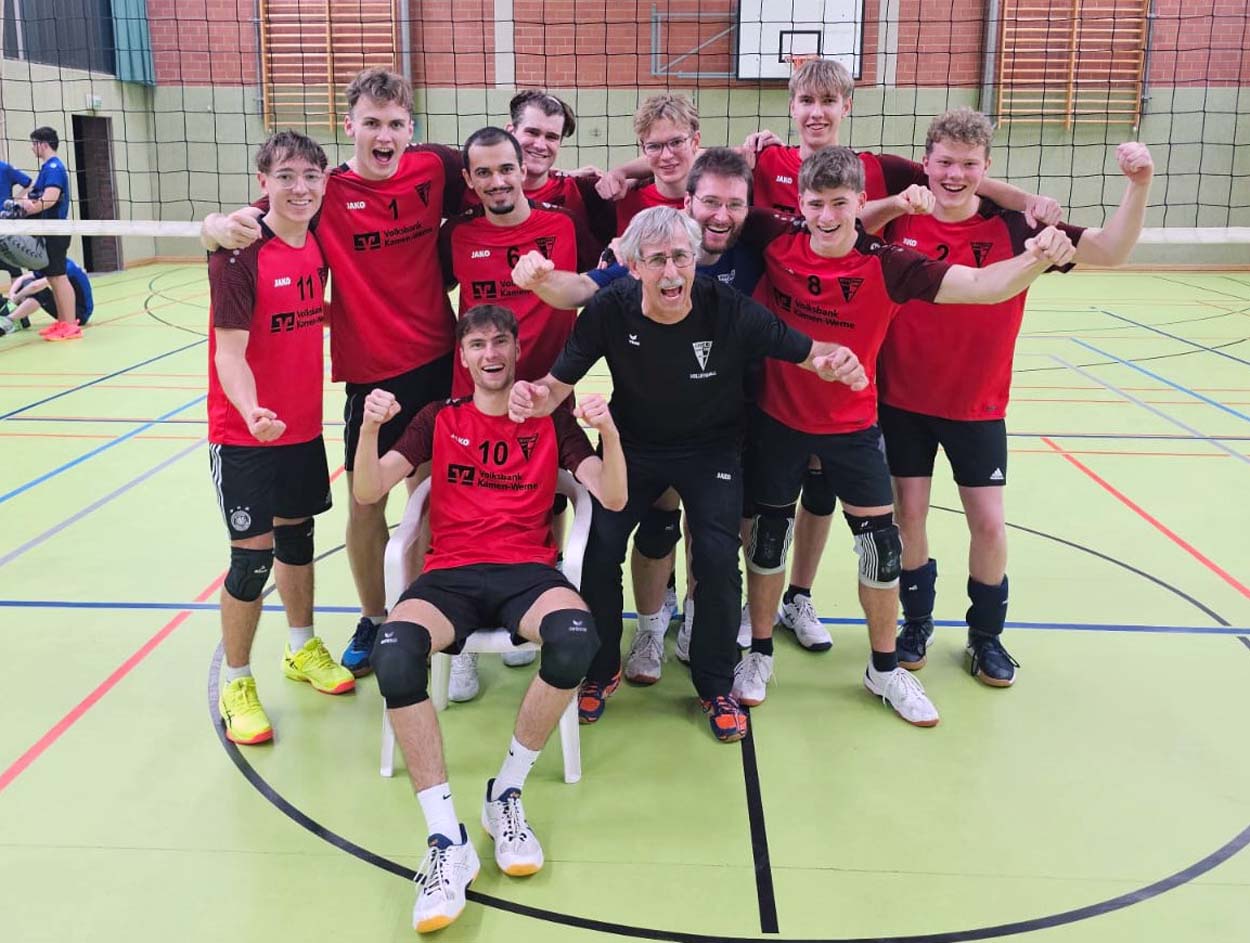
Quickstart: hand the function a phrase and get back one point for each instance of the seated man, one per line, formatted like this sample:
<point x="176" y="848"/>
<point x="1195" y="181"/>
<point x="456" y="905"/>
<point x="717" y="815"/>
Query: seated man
<point x="31" y="291"/>
<point x="491" y="562"/>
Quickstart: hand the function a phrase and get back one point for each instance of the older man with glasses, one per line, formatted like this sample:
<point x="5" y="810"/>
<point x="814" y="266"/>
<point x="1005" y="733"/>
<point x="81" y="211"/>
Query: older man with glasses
<point x="677" y="346"/>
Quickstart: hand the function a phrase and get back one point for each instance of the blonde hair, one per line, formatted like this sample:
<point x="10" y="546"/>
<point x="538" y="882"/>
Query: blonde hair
<point x="822" y="75"/>
<point x="675" y="108"/>
<point x="381" y="86"/>
<point x="962" y="125"/>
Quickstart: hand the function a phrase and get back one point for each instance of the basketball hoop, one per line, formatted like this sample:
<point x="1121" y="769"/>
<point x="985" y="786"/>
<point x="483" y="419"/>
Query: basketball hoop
<point x="796" y="61"/>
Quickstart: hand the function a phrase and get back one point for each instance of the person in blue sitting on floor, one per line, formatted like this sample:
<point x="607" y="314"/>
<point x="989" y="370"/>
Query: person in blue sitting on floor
<point x="32" y="291"/>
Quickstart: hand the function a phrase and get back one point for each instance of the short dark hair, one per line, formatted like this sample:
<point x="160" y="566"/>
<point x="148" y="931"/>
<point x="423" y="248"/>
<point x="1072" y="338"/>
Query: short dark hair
<point x="720" y="162"/>
<point x="46" y="135"/>
<point x="283" y="144"/>
<point x="545" y="102"/>
<point x="488" y="137"/>
<point x="832" y="168"/>
<point x="381" y="86"/>
<point x="481" y="316"/>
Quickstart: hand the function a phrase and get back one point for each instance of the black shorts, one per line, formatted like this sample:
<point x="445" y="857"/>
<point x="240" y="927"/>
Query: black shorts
<point x="486" y="595"/>
<point x="256" y="483"/>
<point x="58" y="248"/>
<point x="976" y="449"/>
<point x="414" y="390"/>
<point x="47" y="301"/>
<point x="777" y="458"/>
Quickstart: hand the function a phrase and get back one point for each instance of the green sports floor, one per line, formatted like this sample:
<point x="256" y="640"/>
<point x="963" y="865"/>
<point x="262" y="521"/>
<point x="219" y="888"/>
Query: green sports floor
<point x="1106" y="797"/>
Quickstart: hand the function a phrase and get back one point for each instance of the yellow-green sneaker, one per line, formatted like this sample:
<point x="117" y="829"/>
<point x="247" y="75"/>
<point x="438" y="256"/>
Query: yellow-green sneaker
<point x="242" y="714"/>
<point x="313" y="664"/>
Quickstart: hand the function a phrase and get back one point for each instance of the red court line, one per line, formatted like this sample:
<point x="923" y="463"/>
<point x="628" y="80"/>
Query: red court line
<point x="37" y="749"/>
<point x="1152" y="521"/>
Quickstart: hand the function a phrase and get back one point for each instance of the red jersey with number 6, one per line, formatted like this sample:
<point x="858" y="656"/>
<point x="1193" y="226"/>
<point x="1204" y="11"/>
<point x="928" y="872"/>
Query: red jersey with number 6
<point x="492" y="481"/>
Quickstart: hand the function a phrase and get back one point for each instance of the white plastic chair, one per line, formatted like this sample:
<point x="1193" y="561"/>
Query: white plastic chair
<point x="398" y="578"/>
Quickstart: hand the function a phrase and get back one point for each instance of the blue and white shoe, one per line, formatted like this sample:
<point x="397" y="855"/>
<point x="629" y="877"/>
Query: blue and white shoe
<point x="356" y="656"/>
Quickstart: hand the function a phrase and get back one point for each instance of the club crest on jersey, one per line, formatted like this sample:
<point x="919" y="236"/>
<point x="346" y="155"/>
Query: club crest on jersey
<point x="701" y="351"/>
<point x="423" y="191"/>
<point x="527" y="443"/>
<point x="545" y="245"/>
<point x="850" y="286"/>
<point x="461" y="474"/>
<point x="980" y="250"/>
<point x="485" y="291"/>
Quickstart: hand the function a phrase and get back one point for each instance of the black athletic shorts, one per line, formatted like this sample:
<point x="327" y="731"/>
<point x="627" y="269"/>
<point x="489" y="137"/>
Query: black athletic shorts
<point x="853" y="464"/>
<point x="256" y="483"/>
<point x="976" y="449"/>
<point x="414" y="390"/>
<point x="47" y="301"/>
<point x="486" y="595"/>
<point x="58" y="248"/>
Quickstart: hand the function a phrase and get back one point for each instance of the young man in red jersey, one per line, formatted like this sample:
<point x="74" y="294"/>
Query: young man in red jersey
<point x="844" y="286"/>
<point x="491" y="562"/>
<point x="391" y="322"/>
<point x="479" y="249"/>
<point x="264" y="427"/>
<point x="959" y="400"/>
<point x="668" y="135"/>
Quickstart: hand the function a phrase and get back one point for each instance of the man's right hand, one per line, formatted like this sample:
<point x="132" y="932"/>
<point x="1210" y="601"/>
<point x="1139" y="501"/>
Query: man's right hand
<point x="525" y="399"/>
<point x="531" y="269"/>
<point x="238" y="230"/>
<point x="380" y="407"/>
<point x="264" y="424"/>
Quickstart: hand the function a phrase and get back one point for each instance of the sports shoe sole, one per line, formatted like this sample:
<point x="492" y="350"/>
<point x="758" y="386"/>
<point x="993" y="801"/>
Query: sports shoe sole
<point x="342" y="688"/>
<point x="819" y="647"/>
<point x="992" y="682"/>
<point x="914" y="723"/>
<point x="263" y="737"/>
<point x="642" y="680"/>
<point x="431" y="924"/>
<point x="519" y="870"/>
<point x="361" y="671"/>
<point x="914" y="665"/>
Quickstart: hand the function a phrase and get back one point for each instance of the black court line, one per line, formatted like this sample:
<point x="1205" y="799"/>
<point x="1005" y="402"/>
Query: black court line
<point x="759" y="834"/>
<point x="154" y="293"/>
<point x="1114" y="363"/>
<point x="1184" y="876"/>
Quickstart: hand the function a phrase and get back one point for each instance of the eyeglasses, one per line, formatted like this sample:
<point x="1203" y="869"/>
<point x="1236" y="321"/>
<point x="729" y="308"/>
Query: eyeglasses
<point x="680" y="259"/>
<point x="713" y="205"/>
<point x="286" y="180"/>
<point x="656" y="148"/>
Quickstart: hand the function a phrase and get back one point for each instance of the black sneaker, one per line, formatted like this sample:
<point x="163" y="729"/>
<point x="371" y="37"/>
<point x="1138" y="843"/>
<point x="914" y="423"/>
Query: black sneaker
<point x="989" y="662"/>
<point x="912" y="642"/>
<point x="356" y="656"/>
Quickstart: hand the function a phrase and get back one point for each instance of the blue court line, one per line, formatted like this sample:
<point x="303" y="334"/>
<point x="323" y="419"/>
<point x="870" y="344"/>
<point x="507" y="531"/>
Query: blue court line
<point x="96" y="505"/>
<point x="857" y="623"/>
<point x="1156" y="377"/>
<point x="1209" y="350"/>
<point x="115" y="373"/>
<point x="96" y="451"/>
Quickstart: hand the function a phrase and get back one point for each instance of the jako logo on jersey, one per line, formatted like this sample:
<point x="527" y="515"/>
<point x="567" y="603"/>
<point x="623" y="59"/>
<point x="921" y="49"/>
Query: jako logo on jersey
<point x="364" y="241"/>
<point x="480" y="254"/>
<point x="461" y="474"/>
<point x="456" y="438"/>
<point x="701" y="351"/>
<point x="282" y="282"/>
<point x="724" y="476"/>
<point x="850" y="286"/>
<point x="356" y="205"/>
<point x="527" y="444"/>
<point x="485" y="290"/>
<point x="910" y="242"/>
<point x="980" y="250"/>
<point x="633" y="340"/>
<point x="788" y="181"/>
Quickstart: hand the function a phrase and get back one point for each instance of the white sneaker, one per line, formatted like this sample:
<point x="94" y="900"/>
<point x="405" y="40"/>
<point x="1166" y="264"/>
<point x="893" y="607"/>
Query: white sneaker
<point x="441" y="881"/>
<point x="900" y="689"/>
<point x="519" y="659"/>
<point x="463" y="684"/>
<point x="744" y="628"/>
<point x="646" y="657"/>
<point x="681" y="649"/>
<point x="751" y="677"/>
<point x="517" y="851"/>
<point x="6" y="325"/>
<point x="670" y="605"/>
<point x="800" y="618"/>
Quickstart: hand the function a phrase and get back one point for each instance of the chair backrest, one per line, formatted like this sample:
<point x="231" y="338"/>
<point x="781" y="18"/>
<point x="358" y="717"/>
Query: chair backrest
<point x="406" y="533"/>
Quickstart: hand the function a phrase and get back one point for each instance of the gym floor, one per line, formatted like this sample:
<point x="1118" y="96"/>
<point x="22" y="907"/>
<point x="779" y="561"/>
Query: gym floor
<point x="1103" y="798"/>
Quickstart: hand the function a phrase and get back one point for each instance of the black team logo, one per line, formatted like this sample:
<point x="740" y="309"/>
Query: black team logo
<point x="784" y="301"/>
<point x="423" y="191"/>
<point x="527" y="444"/>
<point x="323" y="273"/>
<point x="484" y="291"/>
<point x="850" y="286"/>
<point x="283" y="321"/>
<point x="980" y="250"/>
<point x="460" y="474"/>
<point x="545" y="245"/>
<point x="365" y="241"/>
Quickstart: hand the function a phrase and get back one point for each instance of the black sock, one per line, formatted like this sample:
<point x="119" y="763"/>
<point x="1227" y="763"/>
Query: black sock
<point x="4" y="307"/>
<point x="988" y="611"/>
<point x="793" y="591"/>
<point x="917" y="590"/>
<point x="762" y="646"/>
<point x="672" y="579"/>
<point x="884" y="661"/>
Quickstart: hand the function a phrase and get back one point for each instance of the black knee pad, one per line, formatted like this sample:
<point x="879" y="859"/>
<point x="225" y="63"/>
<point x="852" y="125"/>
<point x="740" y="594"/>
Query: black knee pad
<point x="569" y="643"/>
<point x="293" y="543"/>
<point x="819" y="497"/>
<point x="248" y="573"/>
<point x="400" y="659"/>
<point x="772" y="529"/>
<point x="879" y="548"/>
<point x="658" y="533"/>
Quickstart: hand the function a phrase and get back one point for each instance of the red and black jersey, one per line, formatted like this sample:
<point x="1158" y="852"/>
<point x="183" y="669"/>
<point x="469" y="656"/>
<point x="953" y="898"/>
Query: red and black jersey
<point x="480" y="255"/>
<point x="956" y="363"/>
<point x="643" y="198"/>
<point x="492" y="482"/>
<point x="273" y="291"/>
<point x="388" y="311"/>
<point x="776" y="184"/>
<point x="578" y="195"/>
<point x="849" y="301"/>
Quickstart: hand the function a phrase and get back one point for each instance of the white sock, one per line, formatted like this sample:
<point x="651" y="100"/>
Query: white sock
<point x="656" y="623"/>
<point x="297" y="637"/>
<point x="234" y="674"/>
<point x="440" y="812"/>
<point x="516" y="766"/>
<point x="376" y="620"/>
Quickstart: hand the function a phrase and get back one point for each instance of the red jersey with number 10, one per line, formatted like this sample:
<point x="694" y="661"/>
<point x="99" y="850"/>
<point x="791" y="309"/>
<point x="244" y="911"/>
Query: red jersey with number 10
<point x="850" y="301"/>
<point x="492" y="481"/>
<point x="776" y="185"/>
